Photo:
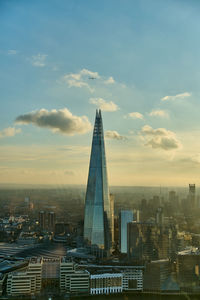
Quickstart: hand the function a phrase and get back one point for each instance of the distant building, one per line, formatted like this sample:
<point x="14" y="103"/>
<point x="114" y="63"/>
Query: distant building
<point x="148" y="241"/>
<point x="142" y="241"/>
<point x="159" y="216"/>
<point x="98" y="231"/>
<point x="192" y="196"/>
<point x="51" y="220"/>
<point x="125" y="217"/>
<point x="42" y="219"/>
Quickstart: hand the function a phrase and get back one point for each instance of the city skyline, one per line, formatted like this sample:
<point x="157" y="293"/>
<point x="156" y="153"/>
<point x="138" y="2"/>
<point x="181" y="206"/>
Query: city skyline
<point x="137" y="62"/>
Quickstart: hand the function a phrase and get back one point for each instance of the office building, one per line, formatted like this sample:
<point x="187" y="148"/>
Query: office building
<point x="98" y="231"/>
<point x="125" y="217"/>
<point x="106" y="283"/>
<point x="188" y="269"/>
<point x="73" y="280"/>
<point x="133" y="280"/>
<point x="26" y="282"/>
<point x="51" y="221"/>
<point x="155" y="274"/>
<point x="42" y="219"/>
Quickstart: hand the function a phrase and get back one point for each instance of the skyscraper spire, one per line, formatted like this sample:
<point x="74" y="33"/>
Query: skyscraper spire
<point x="97" y="221"/>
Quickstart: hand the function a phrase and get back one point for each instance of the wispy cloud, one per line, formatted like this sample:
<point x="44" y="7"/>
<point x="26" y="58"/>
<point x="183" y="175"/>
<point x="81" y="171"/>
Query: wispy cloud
<point x="10" y="131"/>
<point x="159" y="113"/>
<point x="103" y="104"/>
<point x="178" y="96"/>
<point x="135" y="115"/>
<point x="61" y="121"/>
<point x="86" y="78"/>
<point x="81" y="79"/>
<point x="160" y="138"/>
<point x="12" y="52"/>
<point x="38" y="60"/>
<point x="114" y="135"/>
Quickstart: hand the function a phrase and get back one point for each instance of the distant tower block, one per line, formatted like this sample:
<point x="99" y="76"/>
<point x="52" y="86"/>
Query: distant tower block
<point x="98" y="223"/>
<point x="192" y="195"/>
<point x="42" y="219"/>
<point x="51" y="220"/>
<point x="159" y="216"/>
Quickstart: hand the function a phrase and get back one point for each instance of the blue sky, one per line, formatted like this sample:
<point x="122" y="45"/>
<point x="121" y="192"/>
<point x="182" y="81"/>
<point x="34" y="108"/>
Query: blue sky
<point x="144" y="56"/>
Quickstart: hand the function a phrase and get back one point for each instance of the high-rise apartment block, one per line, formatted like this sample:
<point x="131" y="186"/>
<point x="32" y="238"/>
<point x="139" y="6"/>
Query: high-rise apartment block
<point x="98" y="225"/>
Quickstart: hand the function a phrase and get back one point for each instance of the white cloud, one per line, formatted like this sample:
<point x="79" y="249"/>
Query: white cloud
<point x="159" y="113"/>
<point x="114" y="135"/>
<point x="12" y="52"/>
<point x="110" y="80"/>
<point x="178" y="96"/>
<point x="38" y="60"/>
<point x="10" y="131"/>
<point x="85" y="72"/>
<point x="160" y="138"/>
<point x="135" y="115"/>
<point x="86" y="78"/>
<point x="61" y="121"/>
<point x="80" y="79"/>
<point x="103" y="104"/>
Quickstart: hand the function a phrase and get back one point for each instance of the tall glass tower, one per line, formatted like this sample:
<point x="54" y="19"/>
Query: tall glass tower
<point x="98" y="225"/>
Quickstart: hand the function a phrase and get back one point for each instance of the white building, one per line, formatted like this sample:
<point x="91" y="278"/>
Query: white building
<point x="26" y="282"/>
<point x="73" y="280"/>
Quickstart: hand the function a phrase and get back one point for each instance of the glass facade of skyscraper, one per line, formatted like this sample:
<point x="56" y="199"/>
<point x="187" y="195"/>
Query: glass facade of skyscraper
<point x="97" y="220"/>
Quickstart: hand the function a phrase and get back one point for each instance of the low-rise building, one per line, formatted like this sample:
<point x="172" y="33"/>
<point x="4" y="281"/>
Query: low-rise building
<point x="106" y="283"/>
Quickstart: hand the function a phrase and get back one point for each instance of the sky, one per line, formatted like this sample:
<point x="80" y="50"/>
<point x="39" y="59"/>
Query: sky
<point x="136" y="60"/>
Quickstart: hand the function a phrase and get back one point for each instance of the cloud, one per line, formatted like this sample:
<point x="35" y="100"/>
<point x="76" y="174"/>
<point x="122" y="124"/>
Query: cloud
<point x="160" y="138"/>
<point x="114" y="135"/>
<point x="12" y="52"/>
<point x="159" y="113"/>
<point x="86" y="78"/>
<point x="135" y="115"/>
<point x="178" y="96"/>
<point x="103" y="104"/>
<point x="10" y="131"/>
<point x="38" y="60"/>
<point x="61" y="121"/>
<point x="110" y="80"/>
<point x="80" y="79"/>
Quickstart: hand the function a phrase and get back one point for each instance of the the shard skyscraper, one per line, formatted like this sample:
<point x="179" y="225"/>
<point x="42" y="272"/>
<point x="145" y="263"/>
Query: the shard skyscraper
<point x="98" y="220"/>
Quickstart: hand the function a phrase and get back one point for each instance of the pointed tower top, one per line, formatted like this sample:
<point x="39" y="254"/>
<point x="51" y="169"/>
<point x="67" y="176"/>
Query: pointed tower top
<point x="98" y="113"/>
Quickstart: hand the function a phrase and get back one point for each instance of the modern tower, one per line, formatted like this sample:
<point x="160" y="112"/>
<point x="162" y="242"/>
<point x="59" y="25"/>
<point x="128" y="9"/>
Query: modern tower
<point x="98" y="225"/>
<point x="125" y="217"/>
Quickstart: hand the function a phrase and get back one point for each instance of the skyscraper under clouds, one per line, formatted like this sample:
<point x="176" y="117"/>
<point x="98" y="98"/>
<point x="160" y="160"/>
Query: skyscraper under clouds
<point x="98" y="229"/>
